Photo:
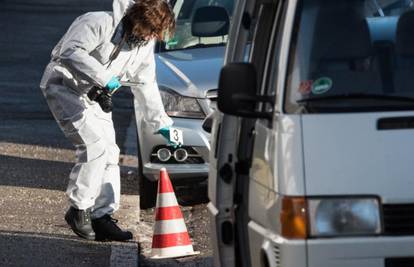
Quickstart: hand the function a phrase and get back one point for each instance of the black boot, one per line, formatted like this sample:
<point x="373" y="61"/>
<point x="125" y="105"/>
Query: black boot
<point x="106" y="229"/>
<point x="80" y="222"/>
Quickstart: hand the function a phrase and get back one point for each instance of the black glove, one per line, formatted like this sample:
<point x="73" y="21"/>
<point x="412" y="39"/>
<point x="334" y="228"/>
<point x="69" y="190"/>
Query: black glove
<point x="102" y="96"/>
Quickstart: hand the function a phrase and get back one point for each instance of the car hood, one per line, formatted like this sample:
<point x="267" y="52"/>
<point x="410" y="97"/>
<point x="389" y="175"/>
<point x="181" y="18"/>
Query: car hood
<point x="345" y="154"/>
<point x="190" y="72"/>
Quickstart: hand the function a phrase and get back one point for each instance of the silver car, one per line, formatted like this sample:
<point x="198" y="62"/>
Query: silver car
<point x="188" y="65"/>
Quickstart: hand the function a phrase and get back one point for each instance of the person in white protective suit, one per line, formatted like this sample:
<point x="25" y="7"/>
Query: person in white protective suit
<point x="100" y="50"/>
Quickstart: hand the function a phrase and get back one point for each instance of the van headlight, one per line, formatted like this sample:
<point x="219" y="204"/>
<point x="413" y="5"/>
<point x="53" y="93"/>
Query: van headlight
<point x="180" y="106"/>
<point x="344" y="217"/>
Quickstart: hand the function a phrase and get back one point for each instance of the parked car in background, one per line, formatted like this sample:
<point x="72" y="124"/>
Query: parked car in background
<point x="188" y="66"/>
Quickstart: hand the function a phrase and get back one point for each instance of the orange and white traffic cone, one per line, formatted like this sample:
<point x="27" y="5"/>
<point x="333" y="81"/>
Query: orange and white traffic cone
<point x="170" y="239"/>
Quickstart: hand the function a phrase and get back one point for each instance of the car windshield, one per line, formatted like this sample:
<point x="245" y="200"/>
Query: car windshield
<point x="200" y="23"/>
<point x="351" y="56"/>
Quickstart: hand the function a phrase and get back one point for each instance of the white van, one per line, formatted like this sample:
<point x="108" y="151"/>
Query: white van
<point x="312" y="160"/>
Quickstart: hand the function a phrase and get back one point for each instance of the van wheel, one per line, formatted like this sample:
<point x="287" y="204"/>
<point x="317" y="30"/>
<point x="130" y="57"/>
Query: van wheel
<point x="147" y="192"/>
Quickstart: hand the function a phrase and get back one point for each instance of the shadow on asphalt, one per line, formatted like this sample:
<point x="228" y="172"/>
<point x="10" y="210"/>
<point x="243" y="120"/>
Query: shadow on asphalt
<point x="54" y="175"/>
<point x="191" y="194"/>
<point x="34" y="249"/>
<point x="45" y="174"/>
<point x="183" y="262"/>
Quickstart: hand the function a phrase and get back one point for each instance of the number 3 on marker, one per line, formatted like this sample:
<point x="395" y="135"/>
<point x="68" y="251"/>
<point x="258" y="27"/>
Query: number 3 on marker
<point x="176" y="136"/>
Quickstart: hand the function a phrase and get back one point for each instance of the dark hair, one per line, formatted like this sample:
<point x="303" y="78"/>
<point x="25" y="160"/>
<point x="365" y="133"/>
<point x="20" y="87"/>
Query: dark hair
<point x="150" y="17"/>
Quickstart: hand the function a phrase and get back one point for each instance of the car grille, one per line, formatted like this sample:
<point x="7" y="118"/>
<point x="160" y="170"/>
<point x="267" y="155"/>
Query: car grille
<point x="398" y="219"/>
<point x="193" y="156"/>
<point x="399" y="262"/>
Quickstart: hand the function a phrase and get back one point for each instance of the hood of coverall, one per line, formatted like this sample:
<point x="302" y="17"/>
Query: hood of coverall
<point x="119" y="8"/>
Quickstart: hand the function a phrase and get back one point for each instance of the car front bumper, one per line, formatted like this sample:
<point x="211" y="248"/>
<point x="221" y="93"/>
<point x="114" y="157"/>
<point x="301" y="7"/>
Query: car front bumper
<point x="176" y="171"/>
<point x="195" y="139"/>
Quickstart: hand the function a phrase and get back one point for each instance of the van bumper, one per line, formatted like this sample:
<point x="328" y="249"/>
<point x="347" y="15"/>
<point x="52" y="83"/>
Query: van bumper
<point x="332" y="252"/>
<point x="360" y="252"/>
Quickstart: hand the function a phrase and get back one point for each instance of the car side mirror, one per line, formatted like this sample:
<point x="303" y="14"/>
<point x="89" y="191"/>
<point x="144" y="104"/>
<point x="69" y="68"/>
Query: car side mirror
<point x="237" y="93"/>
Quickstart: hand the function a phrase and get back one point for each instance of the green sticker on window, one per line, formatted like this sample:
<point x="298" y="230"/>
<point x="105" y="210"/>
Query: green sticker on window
<point x="172" y="42"/>
<point x="321" y="85"/>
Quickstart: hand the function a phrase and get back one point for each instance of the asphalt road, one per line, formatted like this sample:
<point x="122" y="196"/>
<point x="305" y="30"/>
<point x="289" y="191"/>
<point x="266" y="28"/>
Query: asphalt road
<point x="35" y="157"/>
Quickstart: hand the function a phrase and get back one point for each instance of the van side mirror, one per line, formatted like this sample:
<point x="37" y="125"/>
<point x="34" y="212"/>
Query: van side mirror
<point x="237" y="92"/>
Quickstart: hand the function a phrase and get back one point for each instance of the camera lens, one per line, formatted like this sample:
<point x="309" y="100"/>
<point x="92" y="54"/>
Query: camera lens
<point x="106" y="104"/>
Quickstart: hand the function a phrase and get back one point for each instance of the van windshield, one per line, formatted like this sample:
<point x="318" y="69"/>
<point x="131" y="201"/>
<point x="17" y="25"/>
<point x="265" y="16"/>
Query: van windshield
<point x="351" y="56"/>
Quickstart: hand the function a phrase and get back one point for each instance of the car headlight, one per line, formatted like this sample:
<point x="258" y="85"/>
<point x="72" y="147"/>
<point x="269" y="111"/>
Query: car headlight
<point x="344" y="216"/>
<point x="180" y="106"/>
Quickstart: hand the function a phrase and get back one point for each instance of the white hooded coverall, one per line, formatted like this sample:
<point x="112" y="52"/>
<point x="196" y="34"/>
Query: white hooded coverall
<point x="79" y="61"/>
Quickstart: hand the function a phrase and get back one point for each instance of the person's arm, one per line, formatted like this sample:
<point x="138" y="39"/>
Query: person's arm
<point x="85" y="34"/>
<point x="147" y="95"/>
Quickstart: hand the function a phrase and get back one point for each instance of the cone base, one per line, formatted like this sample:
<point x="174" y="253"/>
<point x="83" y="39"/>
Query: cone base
<point x="173" y="252"/>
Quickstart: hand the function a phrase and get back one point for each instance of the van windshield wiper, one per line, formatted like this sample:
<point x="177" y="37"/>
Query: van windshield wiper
<point x="357" y="96"/>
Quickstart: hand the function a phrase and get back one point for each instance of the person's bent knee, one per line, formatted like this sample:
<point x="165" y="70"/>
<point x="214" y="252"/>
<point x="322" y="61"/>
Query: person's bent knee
<point x="92" y="151"/>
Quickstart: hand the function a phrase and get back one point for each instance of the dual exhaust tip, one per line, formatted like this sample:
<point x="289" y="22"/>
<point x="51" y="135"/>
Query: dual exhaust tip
<point x="164" y="154"/>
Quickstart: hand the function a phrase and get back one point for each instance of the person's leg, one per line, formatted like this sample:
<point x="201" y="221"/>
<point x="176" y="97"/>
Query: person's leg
<point x="91" y="154"/>
<point x="108" y="199"/>
<point x="80" y="125"/>
<point x="86" y="176"/>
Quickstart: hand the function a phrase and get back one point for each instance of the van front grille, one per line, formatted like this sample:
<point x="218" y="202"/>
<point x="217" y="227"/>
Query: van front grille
<point x="398" y="219"/>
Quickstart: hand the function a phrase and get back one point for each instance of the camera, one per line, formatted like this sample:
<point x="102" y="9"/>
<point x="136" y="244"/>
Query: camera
<point x="102" y="96"/>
